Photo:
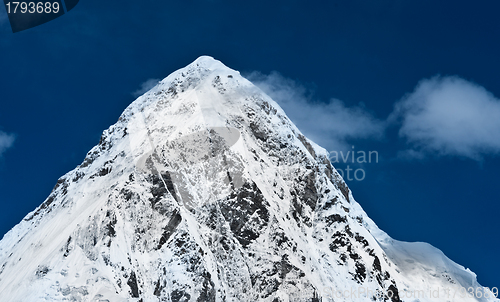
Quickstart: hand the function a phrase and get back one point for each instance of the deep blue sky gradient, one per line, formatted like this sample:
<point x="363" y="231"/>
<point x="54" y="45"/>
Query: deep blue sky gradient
<point x="64" y="82"/>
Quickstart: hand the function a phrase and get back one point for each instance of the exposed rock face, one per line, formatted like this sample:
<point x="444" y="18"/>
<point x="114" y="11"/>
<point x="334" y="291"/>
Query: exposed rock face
<point x="205" y="191"/>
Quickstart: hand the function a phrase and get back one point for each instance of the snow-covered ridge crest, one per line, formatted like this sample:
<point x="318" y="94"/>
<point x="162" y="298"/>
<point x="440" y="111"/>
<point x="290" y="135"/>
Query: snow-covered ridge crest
<point x="204" y="190"/>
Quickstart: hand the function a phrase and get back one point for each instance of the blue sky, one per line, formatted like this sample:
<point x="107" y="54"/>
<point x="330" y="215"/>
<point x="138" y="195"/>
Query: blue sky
<point x="415" y="81"/>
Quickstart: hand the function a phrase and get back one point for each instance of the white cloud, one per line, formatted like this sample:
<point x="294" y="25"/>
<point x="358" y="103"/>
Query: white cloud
<point x="145" y="87"/>
<point x="449" y="116"/>
<point x="6" y="141"/>
<point x="331" y="125"/>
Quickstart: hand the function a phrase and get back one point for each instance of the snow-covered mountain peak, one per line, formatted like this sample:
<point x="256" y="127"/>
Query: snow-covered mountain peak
<point x="208" y="62"/>
<point x="204" y="190"/>
<point x="206" y="88"/>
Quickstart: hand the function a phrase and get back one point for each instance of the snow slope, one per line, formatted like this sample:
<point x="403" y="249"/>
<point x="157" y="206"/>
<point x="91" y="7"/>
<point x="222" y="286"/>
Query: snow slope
<point x="205" y="191"/>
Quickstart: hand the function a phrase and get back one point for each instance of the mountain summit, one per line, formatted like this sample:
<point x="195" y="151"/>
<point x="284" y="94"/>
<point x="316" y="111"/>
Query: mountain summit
<point x="204" y="190"/>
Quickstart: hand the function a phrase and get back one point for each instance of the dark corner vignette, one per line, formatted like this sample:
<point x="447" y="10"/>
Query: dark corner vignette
<point x="27" y="14"/>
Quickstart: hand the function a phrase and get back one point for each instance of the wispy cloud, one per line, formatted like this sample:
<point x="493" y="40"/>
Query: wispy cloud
<point x="331" y="124"/>
<point x="443" y="116"/>
<point x="6" y="141"/>
<point x="145" y="87"/>
<point x="449" y="116"/>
